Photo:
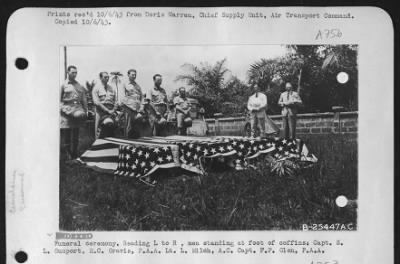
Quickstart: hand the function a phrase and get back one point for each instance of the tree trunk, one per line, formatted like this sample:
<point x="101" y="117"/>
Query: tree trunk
<point x="116" y="85"/>
<point x="299" y="81"/>
<point x="65" y="63"/>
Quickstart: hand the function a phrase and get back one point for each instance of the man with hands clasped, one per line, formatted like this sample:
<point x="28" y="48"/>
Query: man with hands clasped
<point x="290" y="101"/>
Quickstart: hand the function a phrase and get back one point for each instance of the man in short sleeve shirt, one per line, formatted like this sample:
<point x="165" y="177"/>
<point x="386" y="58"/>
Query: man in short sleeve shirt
<point x="132" y="103"/>
<point x="104" y="98"/>
<point x="73" y="108"/>
<point x="157" y="97"/>
<point x="182" y="108"/>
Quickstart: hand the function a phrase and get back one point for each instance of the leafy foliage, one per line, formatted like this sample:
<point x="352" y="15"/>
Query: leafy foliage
<point x="206" y="82"/>
<point x="312" y="70"/>
<point x="285" y="167"/>
<point x="234" y="96"/>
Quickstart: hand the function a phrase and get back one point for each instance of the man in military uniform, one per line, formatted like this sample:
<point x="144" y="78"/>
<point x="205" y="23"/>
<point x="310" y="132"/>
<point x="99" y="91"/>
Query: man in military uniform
<point x="132" y="103"/>
<point x="104" y="98"/>
<point x="73" y="108"/>
<point x="157" y="97"/>
<point x="182" y="108"/>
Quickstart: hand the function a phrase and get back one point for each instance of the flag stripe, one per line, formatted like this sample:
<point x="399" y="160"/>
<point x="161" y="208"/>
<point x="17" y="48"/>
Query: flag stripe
<point x="137" y="142"/>
<point x="103" y="146"/>
<point x="100" y="153"/>
<point x="151" y="141"/>
<point x="105" y="167"/>
<point x="100" y="159"/>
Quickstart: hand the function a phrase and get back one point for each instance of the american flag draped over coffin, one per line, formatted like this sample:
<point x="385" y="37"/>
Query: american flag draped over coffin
<point x="140" y="157"/>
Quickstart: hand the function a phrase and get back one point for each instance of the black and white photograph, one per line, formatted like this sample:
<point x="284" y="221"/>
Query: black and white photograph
<point x="208" y="137"/>
<point x="200" y="134"/>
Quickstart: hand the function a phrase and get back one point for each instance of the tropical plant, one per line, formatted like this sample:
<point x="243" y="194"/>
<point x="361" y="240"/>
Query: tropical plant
<point x="206" y="84"/>
<point x="312" y="70"/>
<point x="116" y="80"/>
<point x="285" y="167"/>
<point x="235" y="95"/>
<point x="271" y="74"/>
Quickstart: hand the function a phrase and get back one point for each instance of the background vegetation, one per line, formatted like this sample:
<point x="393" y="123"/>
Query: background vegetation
<point x="312" y="69"/>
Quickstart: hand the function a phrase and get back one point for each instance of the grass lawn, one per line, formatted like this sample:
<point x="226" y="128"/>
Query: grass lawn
<point x="224" y="199"/>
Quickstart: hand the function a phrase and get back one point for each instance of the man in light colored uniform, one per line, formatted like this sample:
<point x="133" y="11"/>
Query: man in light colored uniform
<point x="290" y="101"/>
<point x="182" y="108"/>
<point x="104" y="98"/>
<point x="157" y="97"/>
<point x="257" y="105"/>
<point x="132" y="102"/>
<point x="73" y="108"/>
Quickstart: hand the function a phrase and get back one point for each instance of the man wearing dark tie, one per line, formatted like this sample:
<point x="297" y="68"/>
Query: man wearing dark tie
<point x="289" y="101"/>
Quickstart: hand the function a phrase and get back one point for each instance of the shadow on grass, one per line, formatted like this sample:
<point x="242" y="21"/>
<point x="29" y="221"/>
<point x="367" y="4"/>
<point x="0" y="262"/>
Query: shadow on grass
<point x="222" y="200"/>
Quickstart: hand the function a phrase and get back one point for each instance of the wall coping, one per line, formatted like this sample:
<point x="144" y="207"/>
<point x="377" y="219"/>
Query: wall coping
<point x="305" y="115"/>
<point x="226" y="119"/>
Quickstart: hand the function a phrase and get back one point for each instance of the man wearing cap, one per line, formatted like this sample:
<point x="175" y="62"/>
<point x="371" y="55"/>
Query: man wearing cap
<point x="182" y="108"/>
<point x="73" y="108"/>
<point x="104" y="98"/>
<point x="132" y="103"/>
<point x="157" y="97"/>
<point x="290" y="101"/>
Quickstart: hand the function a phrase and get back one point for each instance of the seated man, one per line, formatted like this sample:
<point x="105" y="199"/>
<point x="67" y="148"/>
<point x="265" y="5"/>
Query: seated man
<point x="104" y="98"/>
<point x="182" y="107"/>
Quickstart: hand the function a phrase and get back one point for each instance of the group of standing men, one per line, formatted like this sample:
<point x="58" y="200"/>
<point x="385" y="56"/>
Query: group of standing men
<point x="154" y="108"/>
<point x="136" y="106"/>
<point x="257" y="105"/>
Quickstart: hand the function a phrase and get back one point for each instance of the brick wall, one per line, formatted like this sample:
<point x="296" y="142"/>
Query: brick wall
<point x="314" y="123"/>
